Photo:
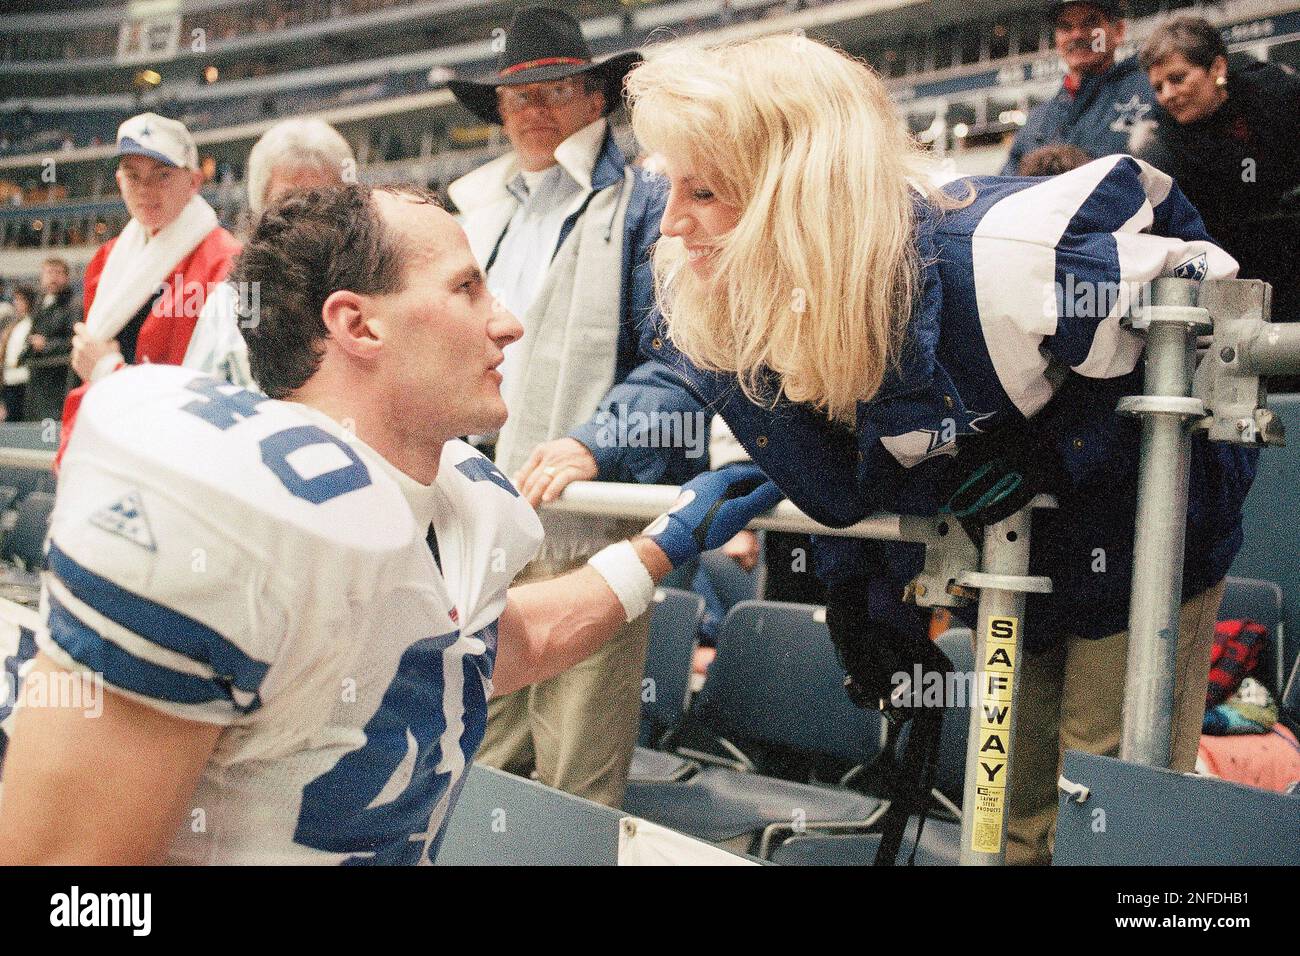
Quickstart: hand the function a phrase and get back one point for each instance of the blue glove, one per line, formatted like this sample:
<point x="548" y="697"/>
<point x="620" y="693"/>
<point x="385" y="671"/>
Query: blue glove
<point x="712" y="509"/>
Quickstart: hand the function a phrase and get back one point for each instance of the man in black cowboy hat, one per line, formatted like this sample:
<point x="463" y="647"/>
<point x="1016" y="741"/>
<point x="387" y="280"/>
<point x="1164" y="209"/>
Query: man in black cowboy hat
<point x="563" y="226"/>
<point x="1100" y="101"/>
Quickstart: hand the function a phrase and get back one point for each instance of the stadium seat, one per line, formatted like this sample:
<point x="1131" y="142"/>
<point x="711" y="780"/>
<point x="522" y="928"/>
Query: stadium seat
<point x="25" y="480"/>
<point x="26" y="541"/>
<point x="1290" y="700"/>
<point x="775" y="681"/>
<point x="674" y="633"/>
<point x="33" y="436"/>
<point x="950" y="775"/>
<point x="940" y="846"/>
<point x="659" y="766"/>
<point x="941" y="838"/>
<point x="1269" y="552"/>
<point x="1261" y="602"/>
<point x="730" y="581"/>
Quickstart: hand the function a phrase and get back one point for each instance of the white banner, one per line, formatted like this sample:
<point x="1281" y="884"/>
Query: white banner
<point x="641" y="843"/>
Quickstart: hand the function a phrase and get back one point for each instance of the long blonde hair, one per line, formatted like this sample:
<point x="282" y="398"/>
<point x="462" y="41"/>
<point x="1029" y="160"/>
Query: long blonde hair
<point x="817" y="280"/>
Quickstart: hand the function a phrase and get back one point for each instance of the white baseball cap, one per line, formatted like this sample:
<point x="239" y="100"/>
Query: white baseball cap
<point x="160" y="138"/>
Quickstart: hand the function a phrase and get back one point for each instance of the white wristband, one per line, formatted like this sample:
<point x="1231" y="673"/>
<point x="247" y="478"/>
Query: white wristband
<point x="626" y="576"/>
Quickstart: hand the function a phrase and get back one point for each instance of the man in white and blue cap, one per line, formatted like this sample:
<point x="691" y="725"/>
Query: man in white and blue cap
<point x="145" y="288"/>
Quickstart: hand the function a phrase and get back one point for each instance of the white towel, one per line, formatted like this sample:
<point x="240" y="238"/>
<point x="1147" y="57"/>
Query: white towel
<point x="138" y="265"/>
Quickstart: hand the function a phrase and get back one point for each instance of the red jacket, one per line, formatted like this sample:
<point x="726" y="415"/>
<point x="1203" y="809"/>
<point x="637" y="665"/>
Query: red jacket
<point x="166" y="331"/>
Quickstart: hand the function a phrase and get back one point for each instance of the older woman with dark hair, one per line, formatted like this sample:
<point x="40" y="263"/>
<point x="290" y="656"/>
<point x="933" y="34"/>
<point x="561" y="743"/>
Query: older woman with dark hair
<point x="1230" y="136"/>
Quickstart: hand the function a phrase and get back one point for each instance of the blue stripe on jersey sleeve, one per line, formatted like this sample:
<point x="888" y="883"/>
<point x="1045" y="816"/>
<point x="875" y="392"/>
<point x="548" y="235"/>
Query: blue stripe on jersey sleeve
<point x="124" y="670"/>
<point x="160" y="625"/>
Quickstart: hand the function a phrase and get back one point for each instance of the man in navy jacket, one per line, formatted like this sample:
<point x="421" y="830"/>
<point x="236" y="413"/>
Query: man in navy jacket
<point x="1100" y="100"/>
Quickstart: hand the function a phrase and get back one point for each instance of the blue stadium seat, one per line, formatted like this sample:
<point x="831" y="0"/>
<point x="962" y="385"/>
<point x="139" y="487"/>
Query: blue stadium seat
<point x="730" y="581"/>
<point x="33" y="436"/>
<point x="775" y="681"/>
<point x="941" y="838"/>
<point x="26" y="540"/>
<point x="1261" y="602"/>
<point x="1269" y="552"/>
<point x="1290" y="700"/>
<point x="674" y="634"/>
<point x="940" y="846"/>
<point x="25" y="480"/>
<point x="950" y="775"/>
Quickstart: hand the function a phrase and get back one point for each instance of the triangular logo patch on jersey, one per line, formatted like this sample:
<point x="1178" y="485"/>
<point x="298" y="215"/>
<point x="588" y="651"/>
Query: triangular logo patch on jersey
<point x="1193" y="268"/>
<point x="125" y="518"/>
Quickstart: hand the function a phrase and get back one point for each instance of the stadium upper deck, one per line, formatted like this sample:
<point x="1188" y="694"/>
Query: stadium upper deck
<point x="964" y="74"/>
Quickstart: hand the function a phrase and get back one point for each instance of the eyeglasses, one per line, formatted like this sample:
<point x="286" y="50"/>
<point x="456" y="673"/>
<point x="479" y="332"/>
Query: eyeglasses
<point x="514" y="99"/>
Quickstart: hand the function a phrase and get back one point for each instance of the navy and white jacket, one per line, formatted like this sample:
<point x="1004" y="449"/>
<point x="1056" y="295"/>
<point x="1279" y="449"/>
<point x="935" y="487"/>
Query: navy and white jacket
<point x="1030" y="279"/>
<point x="1098" y="117"/>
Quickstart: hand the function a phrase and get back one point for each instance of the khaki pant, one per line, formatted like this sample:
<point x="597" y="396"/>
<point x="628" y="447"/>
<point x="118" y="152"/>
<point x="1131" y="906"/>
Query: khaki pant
<point x="1071" y="697"/>
<point x="577" y="730"/>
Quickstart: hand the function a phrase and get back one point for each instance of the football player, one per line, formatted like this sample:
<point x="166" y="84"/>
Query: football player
<point x="299" y="604"/>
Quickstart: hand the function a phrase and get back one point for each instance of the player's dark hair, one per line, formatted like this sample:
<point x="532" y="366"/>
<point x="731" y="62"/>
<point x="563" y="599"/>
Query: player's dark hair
<point x="309" y="244"/>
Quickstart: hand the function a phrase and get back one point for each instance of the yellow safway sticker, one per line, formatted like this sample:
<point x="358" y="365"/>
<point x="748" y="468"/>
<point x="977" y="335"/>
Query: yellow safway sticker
<point x="998" y="674"/>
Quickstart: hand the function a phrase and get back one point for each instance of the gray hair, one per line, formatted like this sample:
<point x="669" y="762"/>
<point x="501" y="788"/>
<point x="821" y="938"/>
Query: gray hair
<point x="295" y="144"/>
<point x="1196" y="39"/>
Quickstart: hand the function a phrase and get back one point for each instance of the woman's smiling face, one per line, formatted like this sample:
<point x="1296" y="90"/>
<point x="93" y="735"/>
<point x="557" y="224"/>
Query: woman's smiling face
<point x="695" y="215"/>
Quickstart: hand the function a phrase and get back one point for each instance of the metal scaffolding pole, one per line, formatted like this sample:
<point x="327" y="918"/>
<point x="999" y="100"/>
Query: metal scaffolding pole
<point x="999" y="642"/>
<point x="1172" y="323"/>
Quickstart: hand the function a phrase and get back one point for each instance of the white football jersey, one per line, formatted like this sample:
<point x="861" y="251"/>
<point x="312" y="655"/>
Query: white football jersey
<point x="236" y="560"/>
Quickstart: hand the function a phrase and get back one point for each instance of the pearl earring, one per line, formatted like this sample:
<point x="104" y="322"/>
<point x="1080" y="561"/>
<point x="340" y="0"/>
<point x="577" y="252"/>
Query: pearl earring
<point x="1220" y="81"/>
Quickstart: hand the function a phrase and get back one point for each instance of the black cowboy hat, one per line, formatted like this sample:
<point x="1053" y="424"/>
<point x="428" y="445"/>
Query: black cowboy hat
<point x="543" y="44"/>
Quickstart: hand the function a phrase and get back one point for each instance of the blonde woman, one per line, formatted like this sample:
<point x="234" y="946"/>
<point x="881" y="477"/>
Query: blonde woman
<point x="875" y="342"/>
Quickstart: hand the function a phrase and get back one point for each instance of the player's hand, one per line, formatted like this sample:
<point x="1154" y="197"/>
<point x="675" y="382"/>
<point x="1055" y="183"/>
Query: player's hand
<point x="86" y="351"/>
<point x="711" y="510"/>
<point x="743" y="549"/>
<point x="551" y="467"/>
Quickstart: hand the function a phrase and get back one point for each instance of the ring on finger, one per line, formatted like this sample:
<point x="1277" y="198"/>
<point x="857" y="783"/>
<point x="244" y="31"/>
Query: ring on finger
<point x="550" y="471"/>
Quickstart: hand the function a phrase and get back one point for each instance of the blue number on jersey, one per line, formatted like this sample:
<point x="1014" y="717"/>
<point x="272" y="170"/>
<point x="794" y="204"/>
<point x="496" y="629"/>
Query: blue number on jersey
<point x="223" y="407"/>
<point x="480" y="469"/>
<point x="277" y="448"/>
<point x="336" y="813"/>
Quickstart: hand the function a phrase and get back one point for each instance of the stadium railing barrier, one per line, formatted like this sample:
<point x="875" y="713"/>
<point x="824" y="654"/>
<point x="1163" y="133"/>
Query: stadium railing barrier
<point x="1222" y="395"/>
<point x="955" y="571"/>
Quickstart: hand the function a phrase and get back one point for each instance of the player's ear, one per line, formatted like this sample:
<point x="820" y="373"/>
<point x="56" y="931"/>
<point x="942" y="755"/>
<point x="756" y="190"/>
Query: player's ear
<point x="349" y="322"/>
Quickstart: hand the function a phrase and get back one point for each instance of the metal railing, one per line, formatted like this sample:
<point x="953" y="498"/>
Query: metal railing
<point x="1221" y="394"/>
